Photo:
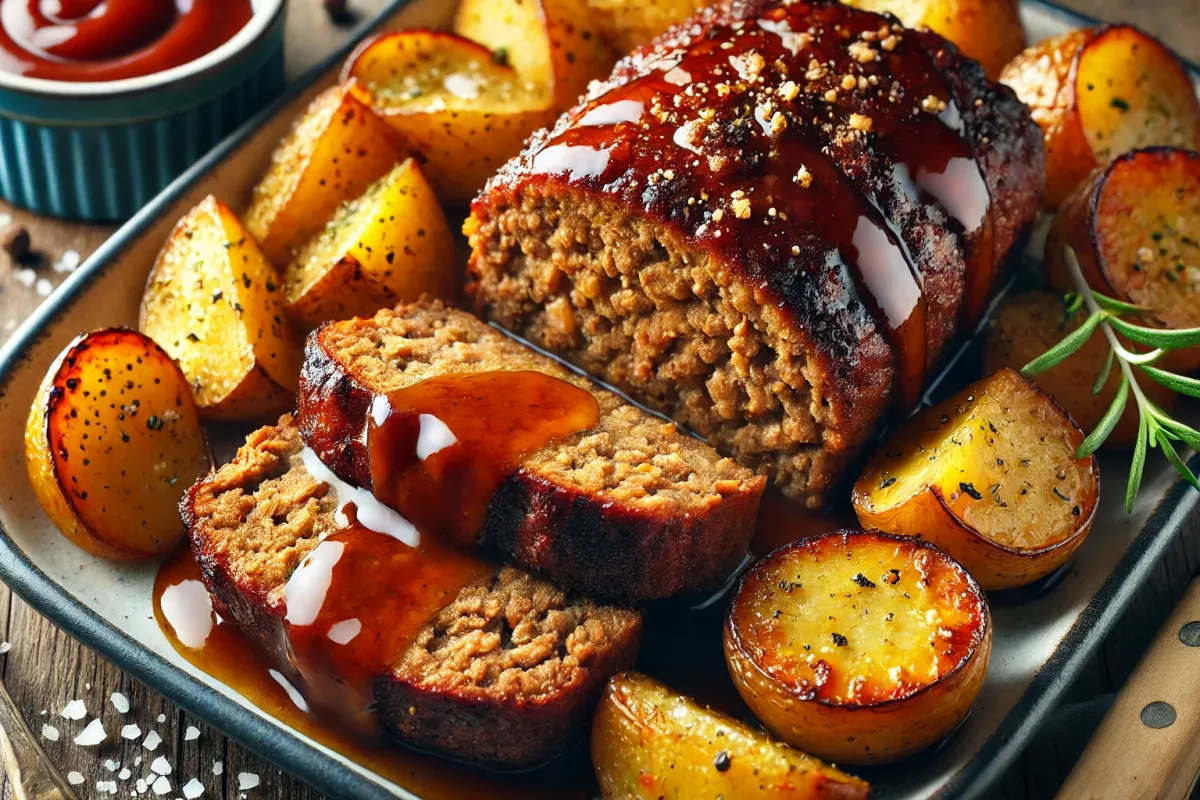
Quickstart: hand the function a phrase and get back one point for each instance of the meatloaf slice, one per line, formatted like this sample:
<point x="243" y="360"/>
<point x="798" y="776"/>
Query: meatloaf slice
<point x="632" y="508"/>
<point x="505" y="674"/>
<point x="764" y="225"/>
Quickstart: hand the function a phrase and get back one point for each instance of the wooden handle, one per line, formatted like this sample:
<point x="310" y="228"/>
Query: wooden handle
<point x="30" y="773"/>
<point x="1148" y="745"/>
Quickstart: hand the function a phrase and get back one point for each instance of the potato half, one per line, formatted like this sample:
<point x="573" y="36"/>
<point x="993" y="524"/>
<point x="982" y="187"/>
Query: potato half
<point x="858" y="647"/>
<point x="464" y="111"/>
<point x="989" y="31"/>
<point x="1135" y="228"/>
<point x="991" y="477"/>
<point x="627" y="24"/>
<point x="1098" y="93"/>
<point x="215" y="304"/>
<point x="650" y="743"/>
<point x="1026" y="326"/>
<point x="390" y="245"/>
<point x="554" y="44"/>
<point x="335" y="150"/>
<point x="112" y="442"/>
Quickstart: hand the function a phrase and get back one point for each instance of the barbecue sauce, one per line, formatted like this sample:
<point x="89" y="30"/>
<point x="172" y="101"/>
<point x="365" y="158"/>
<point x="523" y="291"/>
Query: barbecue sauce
<point x="106" y="40"/>
<point x="438" y="451"/>
<point x="745" y="140"/>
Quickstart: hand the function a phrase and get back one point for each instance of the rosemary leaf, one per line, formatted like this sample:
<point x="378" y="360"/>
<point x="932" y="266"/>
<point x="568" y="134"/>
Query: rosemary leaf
<point x="1157" y="337"/>
<point x="1102" y="378"/>
<point x="1117" y="306"/>
<point x="1109" y="421"/>
<point x="1177" y="383"/>
<point x="1182" y="432"/>
<point x="1061" y="351"/>
<point x="1138" y="465"/>
<point x="1164" y="442"/>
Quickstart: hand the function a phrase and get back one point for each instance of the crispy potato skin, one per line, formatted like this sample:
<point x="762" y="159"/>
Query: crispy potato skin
<point x="1133" y="225"/>
<point x="1023" y="530"/>
<point x="628" y="24"/>
<point x="989" y="31"/>
<point x="391" y="245"/>
<point x="462" y="142"/>
<point x="112" y="486"/>
<point x="1028" y="325"/>
<point x="827" y="698"/>
<point x="213" y="302"/>
<point x="335" y="150"/>
<point x="1065" y="82"/>
<point x="649" y="743"/>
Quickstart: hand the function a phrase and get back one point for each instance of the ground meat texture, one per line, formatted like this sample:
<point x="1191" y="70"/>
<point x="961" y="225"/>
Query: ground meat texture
<point x="506" y="674"/>
<point x="531" y="654"/>
<point x="688" y="234"/>
<point x="633" y="508"/>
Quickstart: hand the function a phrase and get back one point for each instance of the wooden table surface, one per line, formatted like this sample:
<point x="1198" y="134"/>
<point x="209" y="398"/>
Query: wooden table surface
<point x="45" y="669"/>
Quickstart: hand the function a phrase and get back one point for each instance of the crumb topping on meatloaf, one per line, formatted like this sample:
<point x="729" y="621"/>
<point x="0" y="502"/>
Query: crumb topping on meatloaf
<point x="630" y="456"/>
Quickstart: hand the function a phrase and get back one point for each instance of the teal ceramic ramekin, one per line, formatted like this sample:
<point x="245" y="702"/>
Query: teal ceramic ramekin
<point x="99" y="151"/>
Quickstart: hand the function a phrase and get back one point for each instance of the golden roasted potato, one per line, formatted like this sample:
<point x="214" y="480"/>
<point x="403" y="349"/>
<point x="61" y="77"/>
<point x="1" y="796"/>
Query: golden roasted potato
<point x="465" y="112"/>
<point x="112" y="443"/>
<point x="858" y="647"/>
<point x="989" y="31"/>
<point x="1135" y="227"/>
<point x="991" y="477"/>
<point x="334" y="151"/>
<point x="1027" y="325"/>
<point x="390" y="245"/>
<point x="1098" y="93"/>
<point x="649" y="743"/>
<point x="214" y="303"/>
<point x="553" y="44"/>
<point x="627" y="24"/>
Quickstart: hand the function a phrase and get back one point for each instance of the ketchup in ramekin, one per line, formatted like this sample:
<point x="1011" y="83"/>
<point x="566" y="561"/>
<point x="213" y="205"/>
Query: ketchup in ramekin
<point x="107" y="40"/>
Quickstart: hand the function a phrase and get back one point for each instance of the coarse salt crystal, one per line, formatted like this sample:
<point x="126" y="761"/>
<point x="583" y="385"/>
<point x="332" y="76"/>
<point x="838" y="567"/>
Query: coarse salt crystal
<point x="4" y="647"/>
<point x="106" y="787"/>
<point x="124" y="774"/>
<point x="120" y="702"/>
<point x="191" y="733"/>
<point x="25" y="276"/>
<point x="68" y="262"/>
<point x="218" y="767"/>
<point x="247" y="780"/>
<point x="75" y="778"/>
<point x="112" y="766"/>
<point x="140" y="786"/>
<point x="131" y="732"/>
<point x="162" y="717"/>
<point x="43" y="287"/>
<point x="74" y="710"/>
<point x="161" y="766"/>
<point x="151" y="741"/>
<point x="50" y="732"/>
<point x="92" y="735"/>
<point x="161" y="785"/>
<point x="193" y="789"/>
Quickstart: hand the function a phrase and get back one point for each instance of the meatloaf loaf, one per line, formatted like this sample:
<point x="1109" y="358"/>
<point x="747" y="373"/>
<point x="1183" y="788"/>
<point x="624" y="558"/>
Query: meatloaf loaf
<point x="632" y="508"/>
<point x="506" y="673"/>
<point x="767" y="224"/>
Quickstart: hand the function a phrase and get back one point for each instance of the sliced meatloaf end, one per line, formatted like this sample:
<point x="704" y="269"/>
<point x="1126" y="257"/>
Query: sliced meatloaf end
<point x="632" y="508"/>
<point x="528" y="652"/>
<point x="506" y="674"/>
<point x="728" y="228"/>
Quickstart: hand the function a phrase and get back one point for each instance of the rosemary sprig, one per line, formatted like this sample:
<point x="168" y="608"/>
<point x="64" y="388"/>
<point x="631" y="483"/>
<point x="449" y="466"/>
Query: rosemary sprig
<point x="1155" y="427"/>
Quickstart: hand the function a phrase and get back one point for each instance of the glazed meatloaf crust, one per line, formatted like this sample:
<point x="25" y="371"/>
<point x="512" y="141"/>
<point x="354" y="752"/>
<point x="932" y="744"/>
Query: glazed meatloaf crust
<point x="505" y="674"/>
<point x="632" y="508"/>
<point x="767" y="224"/>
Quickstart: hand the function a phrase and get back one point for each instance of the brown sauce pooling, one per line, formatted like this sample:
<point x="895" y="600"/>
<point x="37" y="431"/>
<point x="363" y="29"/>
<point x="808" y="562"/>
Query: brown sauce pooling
<point x="439" y="450"/>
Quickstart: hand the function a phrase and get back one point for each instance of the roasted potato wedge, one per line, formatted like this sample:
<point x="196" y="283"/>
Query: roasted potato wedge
<point x="1025" y="326"/>
<point x="991" y="477"/>
<point x="112" y="442"/>
<point x="989" y="31"/>
<point x="390" y="245"/>
<point x="649" y="743"/>
<point x="214" y="303"/>
<point x="334" y="151"/>
<point x="1101" y="92"/>
<point x="552" y="44"/>
<point x="1135" y="228"/>
<point x="858" y="647"/>
<point x="627" y="24"/>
